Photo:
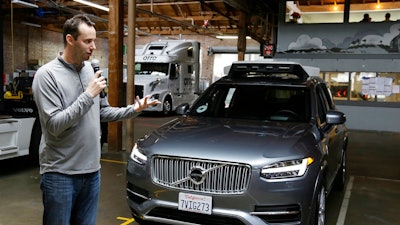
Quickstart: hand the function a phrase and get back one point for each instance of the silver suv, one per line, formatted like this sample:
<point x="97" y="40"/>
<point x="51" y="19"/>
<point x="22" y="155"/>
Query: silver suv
<point x="263" y="145"/>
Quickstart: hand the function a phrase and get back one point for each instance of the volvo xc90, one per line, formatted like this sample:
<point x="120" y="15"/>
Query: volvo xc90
<point x="262" y="145"/>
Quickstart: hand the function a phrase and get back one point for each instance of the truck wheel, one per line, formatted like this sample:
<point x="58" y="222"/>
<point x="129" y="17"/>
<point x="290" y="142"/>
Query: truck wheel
<point x="34" y="143"/>
<point x="167" y="106"/>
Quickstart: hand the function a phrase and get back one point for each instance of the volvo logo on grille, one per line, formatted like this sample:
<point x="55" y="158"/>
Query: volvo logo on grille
<point x="197" y="175"/>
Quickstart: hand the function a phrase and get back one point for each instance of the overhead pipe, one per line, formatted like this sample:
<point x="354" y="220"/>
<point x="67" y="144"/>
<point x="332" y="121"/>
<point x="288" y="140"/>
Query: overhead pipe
<point x="73" y="11"/>
<point x="177" y="21"/>
<point x="184" y="17"/>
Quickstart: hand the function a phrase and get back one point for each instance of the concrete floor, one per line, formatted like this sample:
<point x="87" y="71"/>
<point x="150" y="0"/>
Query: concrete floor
<point x="372" y="193"/>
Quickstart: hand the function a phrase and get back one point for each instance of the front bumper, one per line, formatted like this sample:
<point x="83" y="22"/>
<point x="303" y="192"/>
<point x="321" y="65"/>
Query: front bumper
<point x="285" y="202"/>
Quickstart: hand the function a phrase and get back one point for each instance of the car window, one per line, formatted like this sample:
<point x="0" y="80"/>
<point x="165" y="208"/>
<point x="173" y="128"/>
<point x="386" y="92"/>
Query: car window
<point x="258" y="102"/>
<point x="322" y="104"/>
<point x="328" y="96"/>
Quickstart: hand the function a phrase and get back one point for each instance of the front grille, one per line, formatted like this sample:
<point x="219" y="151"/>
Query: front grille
<point x="191" y="217"/>
<point x="215" y="177"/>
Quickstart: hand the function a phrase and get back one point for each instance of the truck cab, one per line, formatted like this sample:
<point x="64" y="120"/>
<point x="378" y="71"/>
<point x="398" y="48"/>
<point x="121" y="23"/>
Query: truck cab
<point x="168" y="71"/>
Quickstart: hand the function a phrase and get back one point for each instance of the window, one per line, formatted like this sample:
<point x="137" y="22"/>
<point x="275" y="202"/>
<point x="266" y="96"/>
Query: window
<point x="374" y="11"/>
<point x="332" y="11"/>
<point x="358" y="80"/>
<point x="363" y="86"/>
<point x="321" y="105"/>
<point x="257" y="102"/>
<point x="306" y="12"/>
<point x="190" y="52"/>
<point x="190" y="69"/>
<point x="338" y="84"/>
<point x="151" y="68"/>
<point x="174" y="71"/>
<point x="391" y="82"/>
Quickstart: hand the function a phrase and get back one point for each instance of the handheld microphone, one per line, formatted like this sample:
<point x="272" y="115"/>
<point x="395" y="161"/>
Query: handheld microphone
<point x="96" y="67"/>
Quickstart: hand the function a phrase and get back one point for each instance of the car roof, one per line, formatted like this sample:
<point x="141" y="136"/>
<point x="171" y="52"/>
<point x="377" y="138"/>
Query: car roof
<point x="284" y="72"/>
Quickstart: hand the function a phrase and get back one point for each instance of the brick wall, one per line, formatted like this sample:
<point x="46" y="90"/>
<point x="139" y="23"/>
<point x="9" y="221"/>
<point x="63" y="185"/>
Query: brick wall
<point x="30" y="44"/>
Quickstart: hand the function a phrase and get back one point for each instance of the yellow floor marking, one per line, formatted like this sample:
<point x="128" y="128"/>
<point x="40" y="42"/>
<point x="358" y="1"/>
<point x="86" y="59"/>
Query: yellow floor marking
<point x="127" y="220"/>
<point x="113" y="161"/>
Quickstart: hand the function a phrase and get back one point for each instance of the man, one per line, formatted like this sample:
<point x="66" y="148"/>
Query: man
<point x="387" y="17"/>
<point x="366" y="18"/>
<point x="66" y="92"/>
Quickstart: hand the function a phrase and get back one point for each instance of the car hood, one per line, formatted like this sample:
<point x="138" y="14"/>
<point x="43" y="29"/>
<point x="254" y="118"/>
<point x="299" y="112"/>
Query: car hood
<point x="230" y="140"/>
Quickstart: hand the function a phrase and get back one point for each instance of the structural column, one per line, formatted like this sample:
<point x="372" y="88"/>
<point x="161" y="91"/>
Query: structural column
<point x="130" y="81"/>
<point x="241" y="45"/>
<point x="115" y="69"/>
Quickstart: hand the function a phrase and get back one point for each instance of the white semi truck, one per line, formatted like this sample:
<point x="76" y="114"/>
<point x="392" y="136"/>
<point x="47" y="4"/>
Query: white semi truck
<point x="168" y="71"/>
<point x="20" y="131"/>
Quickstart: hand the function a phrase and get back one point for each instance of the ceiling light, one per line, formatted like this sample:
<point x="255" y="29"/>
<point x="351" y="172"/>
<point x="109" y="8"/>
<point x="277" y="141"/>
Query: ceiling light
<point x="26" y="4"/>
<point x="230" y="37"/>
<point x="30" y="24"/>
<point x="94" y="5"/>
<point x="378" y="4"/>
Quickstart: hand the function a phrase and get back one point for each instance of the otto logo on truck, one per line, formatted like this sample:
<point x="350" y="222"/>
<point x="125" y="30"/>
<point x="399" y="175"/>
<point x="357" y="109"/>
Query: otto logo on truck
<point x="149" y="58"/>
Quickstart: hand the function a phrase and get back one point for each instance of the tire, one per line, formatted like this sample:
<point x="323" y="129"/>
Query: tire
<point x="34" y="143"/>
<point x="320" y="206"/>
<point x="167" y="106"/>
<point x="340" y="178"/>
<point x="142" y="222"/>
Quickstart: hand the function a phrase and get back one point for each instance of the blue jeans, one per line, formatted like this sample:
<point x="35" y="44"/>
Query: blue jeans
<point x="70" y="199"/>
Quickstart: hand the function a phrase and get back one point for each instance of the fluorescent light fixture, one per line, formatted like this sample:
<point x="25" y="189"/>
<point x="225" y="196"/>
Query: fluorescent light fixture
<point x="94" y="5"/>
<point x="230" y="37"/>
<point x="26" y="4"/>
<point x="30" y="24"/>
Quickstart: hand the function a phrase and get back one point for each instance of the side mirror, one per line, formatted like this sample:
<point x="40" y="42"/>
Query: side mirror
<point x="335" y="117"/>
<point x="182" y="109"/>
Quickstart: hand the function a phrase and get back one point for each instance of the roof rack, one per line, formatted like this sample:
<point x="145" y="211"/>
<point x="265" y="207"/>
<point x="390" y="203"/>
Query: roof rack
<point x="274" y="71"/>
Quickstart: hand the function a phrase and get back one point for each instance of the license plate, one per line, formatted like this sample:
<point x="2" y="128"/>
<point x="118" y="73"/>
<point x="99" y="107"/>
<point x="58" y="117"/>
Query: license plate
<point x="195" y="203"/>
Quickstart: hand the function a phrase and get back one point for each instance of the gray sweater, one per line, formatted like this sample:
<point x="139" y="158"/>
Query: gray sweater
<point x="70" y="118"/>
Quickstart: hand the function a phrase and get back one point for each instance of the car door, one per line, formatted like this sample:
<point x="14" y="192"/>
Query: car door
<point x="331" y="140"/>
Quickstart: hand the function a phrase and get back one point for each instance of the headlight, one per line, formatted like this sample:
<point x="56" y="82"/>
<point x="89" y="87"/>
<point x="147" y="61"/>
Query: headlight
<point x="286" y="169"/>
<point x="138" y="156"/>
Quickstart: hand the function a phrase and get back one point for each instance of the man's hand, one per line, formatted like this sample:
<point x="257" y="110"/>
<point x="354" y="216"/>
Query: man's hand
<point x="96" y="85"/>
<point x="144" y="103"/>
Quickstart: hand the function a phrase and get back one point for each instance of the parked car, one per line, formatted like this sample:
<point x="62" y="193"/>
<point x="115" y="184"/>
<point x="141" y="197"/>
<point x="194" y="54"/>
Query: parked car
<point x="263" y="145"/>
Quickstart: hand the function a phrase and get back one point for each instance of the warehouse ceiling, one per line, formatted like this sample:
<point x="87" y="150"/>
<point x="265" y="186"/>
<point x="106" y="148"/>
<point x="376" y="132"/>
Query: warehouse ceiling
<point x="154" y="17"/>
<point x="169" y="17"/>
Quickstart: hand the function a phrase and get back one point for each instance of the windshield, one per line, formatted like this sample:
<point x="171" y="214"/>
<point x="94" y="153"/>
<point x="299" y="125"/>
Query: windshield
<point x="151" y="68"/>
<point x="258" y="102"/>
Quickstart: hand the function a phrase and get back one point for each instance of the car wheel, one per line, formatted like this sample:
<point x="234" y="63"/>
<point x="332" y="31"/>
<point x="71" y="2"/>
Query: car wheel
<point x="340" y="178"/>
<point x="167" y="106"/>
<point x="142" y="222"/>
<point x="321" y="206"/>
